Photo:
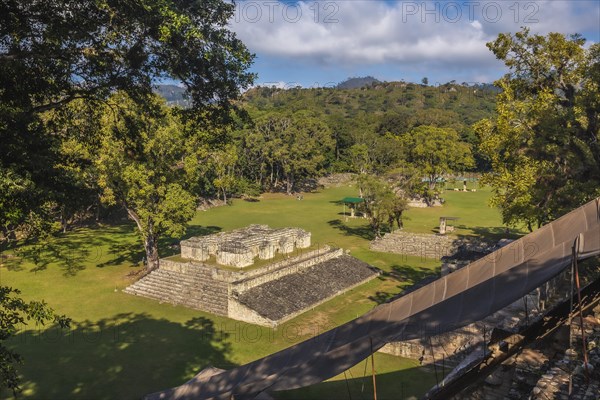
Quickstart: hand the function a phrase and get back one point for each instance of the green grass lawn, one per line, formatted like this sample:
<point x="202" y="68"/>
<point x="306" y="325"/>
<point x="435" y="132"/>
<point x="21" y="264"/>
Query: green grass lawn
<point x="122" y="346"/>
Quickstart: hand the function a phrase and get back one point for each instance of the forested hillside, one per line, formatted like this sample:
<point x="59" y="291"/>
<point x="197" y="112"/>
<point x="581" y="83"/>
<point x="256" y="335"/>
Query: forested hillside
<point x="371" y="119"/>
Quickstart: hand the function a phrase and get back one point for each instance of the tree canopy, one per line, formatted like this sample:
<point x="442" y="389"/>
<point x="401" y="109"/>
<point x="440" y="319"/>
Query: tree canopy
<point x="286" y="148"/>
<point x="55" y="52"/>
<point x="145" y="165"/>
<point x="436" y="152"/>
<point x="77" y="116"/>
<point x="381" y="204"/>
<point x="543" y="145"/>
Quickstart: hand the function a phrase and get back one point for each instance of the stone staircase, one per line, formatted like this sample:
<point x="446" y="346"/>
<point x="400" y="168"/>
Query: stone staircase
<point x="194" y="289"/>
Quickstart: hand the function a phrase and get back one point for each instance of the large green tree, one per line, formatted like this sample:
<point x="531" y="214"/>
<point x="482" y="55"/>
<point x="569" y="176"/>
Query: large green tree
<point x="55" y="52"/>
<point x="224" y="162"/>
<point x="543" y="145"/>
<point x="145" y="163"/>
<point x="381" y="204"/>
<point x="436" y="152"/>
<point x="287" y="148"/>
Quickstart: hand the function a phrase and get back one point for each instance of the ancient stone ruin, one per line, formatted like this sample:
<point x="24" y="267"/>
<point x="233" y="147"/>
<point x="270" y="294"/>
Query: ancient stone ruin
<point x="240" y="247"/>
<point x="430" y="246"/>
<point x="266" y="295"/>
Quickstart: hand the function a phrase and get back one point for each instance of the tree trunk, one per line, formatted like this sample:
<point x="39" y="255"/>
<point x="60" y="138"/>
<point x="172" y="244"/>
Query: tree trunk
<point x="98" y="205"/>
<point x="151" y="247"/>
<point x="151" y="259"/>
<point x="224" y="196"/>
<point x="63" y="219"/>
<point x="289" y="184"/>
<point x="399" y="221"/>
<point x="432" y="182"/>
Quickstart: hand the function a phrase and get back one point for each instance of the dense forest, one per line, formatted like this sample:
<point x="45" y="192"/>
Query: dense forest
<point x="363" y="130"/>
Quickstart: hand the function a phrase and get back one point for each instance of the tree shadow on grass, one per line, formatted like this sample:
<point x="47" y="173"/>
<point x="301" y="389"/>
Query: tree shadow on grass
<point x="121" y="253"/>
<point x="122" y="357"/>
<point x="104" y="247"/>
<point x="363" y="231"/>
<point x="409" y="383"/>
<point x="198" y="230"/>
<point x="409" y="279"/>
<point x="71" y="252"/>
<point x="70" y="257"/>
<point x="490" y="233"/>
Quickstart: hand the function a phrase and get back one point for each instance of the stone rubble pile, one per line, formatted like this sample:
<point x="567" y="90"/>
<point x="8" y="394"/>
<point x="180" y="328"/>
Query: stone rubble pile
<point x="569" y="366"/>
<point x="335" y="180"/>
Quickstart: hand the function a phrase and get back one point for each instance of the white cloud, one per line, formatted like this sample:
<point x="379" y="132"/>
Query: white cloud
<point x="346" y="33"/>
<point x="477" y="25"/>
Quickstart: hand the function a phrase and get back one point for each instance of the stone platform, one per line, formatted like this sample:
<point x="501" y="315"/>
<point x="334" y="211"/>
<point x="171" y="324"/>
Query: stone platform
<point x="430" y="246"/>
<point x="262" y="296"/>
<point x="310" y="287"/>
<point x="239" y="248"/>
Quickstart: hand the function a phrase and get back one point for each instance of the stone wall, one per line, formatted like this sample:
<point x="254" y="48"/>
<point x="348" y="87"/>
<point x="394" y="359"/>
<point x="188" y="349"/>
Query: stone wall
<point x="428" y="246"/>
<point x="240" y="312"/>
<point x="284" y="268"/>
<point x="239" y="247"/>
<point x="335" y="180"/>
<point x="450" y="347"/>
<point x="420" y="245"/>
<point x="213" y="272"/>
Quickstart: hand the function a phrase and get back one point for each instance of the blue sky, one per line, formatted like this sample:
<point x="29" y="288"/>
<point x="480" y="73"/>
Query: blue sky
<point x="320" y="43"/>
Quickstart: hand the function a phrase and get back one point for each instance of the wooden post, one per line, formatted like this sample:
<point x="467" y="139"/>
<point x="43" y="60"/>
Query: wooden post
<point x="583" y="340"/>
<point x="437" y="382"/>
<point x="373" y="371"/>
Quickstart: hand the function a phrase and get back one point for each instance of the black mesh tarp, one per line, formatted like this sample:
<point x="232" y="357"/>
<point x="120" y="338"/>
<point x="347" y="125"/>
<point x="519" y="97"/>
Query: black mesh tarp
<point x="465" y="296"/>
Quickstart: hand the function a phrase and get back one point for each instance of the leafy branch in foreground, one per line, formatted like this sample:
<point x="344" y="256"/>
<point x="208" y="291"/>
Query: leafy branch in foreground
<point x="15" y="312"/>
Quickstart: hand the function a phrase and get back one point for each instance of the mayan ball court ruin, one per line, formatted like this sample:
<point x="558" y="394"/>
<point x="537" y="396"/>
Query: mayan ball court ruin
<point x="254" y="274"/>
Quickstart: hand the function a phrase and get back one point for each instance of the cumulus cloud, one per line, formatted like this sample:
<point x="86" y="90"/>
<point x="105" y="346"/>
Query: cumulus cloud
<point x="452" y="34"/>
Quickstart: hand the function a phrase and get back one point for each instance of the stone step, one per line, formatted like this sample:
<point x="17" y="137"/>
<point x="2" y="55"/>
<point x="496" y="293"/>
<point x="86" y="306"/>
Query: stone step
<point x="158" y="286"/>
<point x="182" y="282"/>
<point x="174" y="293"/>
<point x="201" y="304"/>
<point x="195" y="290"/>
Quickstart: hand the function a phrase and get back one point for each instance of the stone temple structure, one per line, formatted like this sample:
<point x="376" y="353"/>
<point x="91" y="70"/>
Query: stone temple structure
<point x="240" y="247"/>
<point x="267" y="295"/>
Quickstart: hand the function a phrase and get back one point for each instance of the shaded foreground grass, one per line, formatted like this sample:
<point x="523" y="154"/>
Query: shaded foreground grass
<point x="122" y="346"/>
<point x="405" y="379"/>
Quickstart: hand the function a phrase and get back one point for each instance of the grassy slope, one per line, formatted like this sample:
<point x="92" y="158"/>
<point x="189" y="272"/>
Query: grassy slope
<point x="122" y="346"/>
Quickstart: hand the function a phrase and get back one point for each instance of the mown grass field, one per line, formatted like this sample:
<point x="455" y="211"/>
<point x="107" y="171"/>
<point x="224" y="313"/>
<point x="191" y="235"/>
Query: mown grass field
<point x="122" y="346"/>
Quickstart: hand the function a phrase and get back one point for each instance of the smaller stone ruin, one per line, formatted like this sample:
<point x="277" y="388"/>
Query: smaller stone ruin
<point x="239" y="248"/>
